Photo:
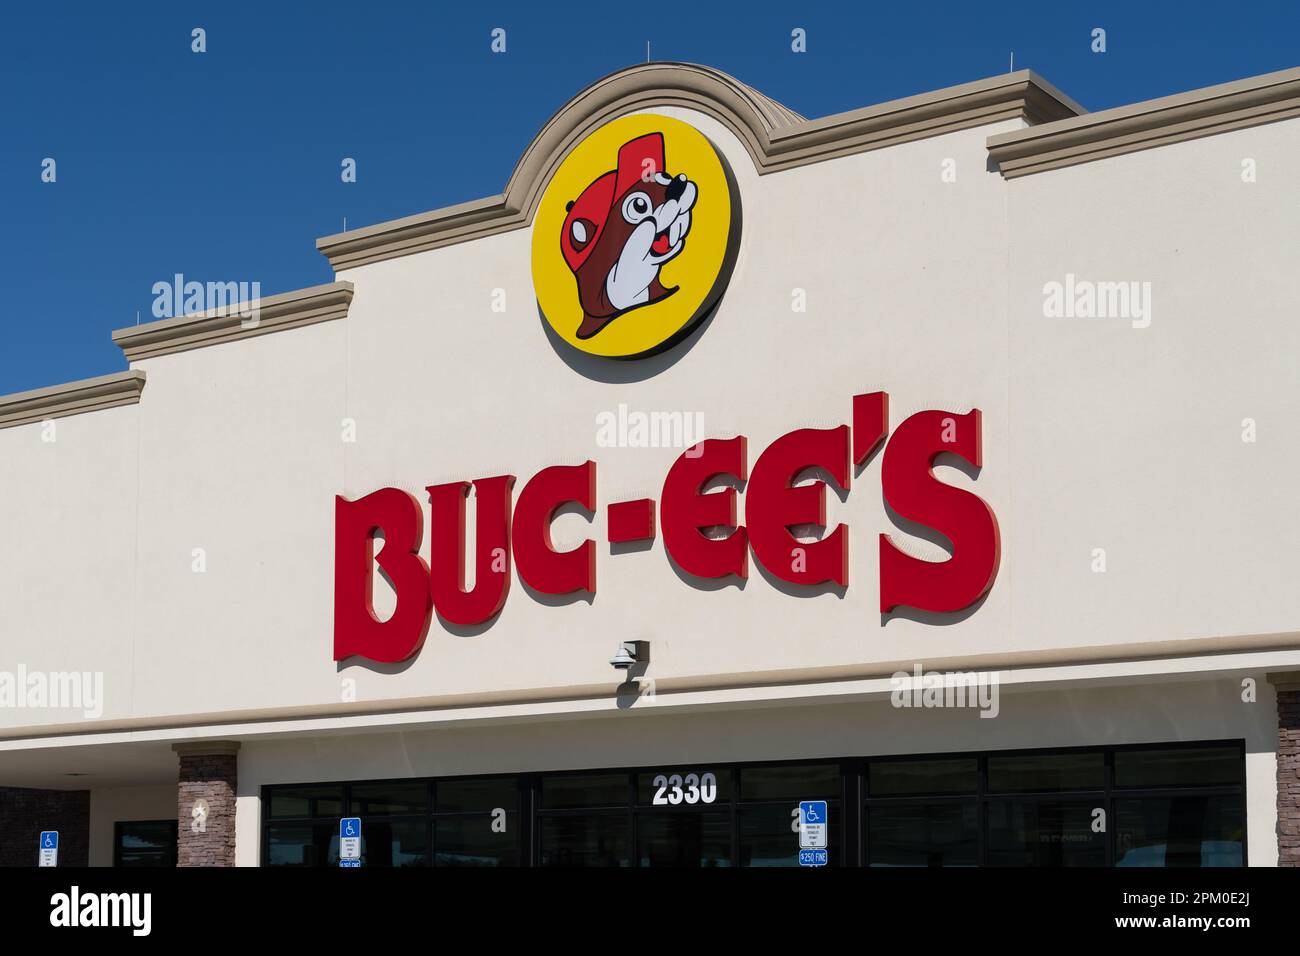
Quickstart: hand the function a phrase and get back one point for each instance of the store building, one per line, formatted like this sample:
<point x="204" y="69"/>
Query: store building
<point x="648" y="441"/>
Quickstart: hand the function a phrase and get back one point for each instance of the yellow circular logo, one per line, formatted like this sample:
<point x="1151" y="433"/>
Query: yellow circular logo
<point x="635" y="237"/>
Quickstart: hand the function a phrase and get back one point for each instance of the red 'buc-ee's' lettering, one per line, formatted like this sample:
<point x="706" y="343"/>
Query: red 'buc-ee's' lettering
<point x="356" y="628"/>
<point x="773" y="504"/>
<point x="965" y="519"/>
<point x="685" y="512"/>
<point x="541" y="567"/>
<point x="491" y="544"/>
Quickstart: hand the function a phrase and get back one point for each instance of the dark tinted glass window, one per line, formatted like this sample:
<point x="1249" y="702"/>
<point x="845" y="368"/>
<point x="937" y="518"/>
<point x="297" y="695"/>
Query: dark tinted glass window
<point x="906" y="777"/>
<point x="1023" y="773"/>
<point x="936" y="834"/>
<point x="395" y="841"/>
<point x="684" y="788"/>
<point x="1180" y="831"/>
<point x="597" y="839"/>
<point x="383" y="799"/>
<point x="1044" y="833"/>
<point x="769" y="834"/>
<point x="584" y="790"/>
<point x="324" y="801"/>
<point x="303" y="844"/>
<point x="684" y="839"/>
<point x="810" y="782"/>
<point x="1178" y="767"/>
<point x="477" y="839"/>
<point x="145" y="843"/>
<point x="477" y="795"/>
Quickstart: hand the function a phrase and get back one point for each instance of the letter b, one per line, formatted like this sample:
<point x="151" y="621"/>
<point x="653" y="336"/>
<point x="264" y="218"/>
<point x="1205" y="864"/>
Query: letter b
<point x="357" y="631"/>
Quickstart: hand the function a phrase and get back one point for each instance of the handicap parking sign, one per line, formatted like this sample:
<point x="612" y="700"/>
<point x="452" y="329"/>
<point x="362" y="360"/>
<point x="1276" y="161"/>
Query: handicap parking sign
<point x="349" y="840"/>
<point x="813" y="825"/>
<point x="48" y="845"/>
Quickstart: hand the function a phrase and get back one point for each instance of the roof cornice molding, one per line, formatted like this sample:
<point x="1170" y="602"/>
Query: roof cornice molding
<point x="776" y="138"/>
<point x="1159" y="122"/>
<point x="71" y="398"/>
<point x="276" y="313"/>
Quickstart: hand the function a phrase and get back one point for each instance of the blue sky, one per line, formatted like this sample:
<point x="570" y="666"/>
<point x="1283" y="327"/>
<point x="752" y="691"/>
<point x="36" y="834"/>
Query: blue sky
<point x="225" y="165"/>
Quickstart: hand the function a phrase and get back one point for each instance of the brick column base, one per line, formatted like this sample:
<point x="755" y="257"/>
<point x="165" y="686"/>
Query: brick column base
<point x="205" y="803"/>
<point x="1288" y="768"/>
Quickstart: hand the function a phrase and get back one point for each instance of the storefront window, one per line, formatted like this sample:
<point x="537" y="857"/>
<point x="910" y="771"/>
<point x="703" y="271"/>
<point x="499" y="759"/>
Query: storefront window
<point x="307" y="801"/>
<point x="769" y="834"/>
<point x="1045" y="833"/>
<point x="925" y="834"/>
<point x="476" y="822"/>
<point x="909" y="777"/>
<point x="1029" y="773"/>
<point x="769" y="811"/>
<point x="570" y="791"/>
<point x="684" y="839"/>
<point x="303" y="844"/>
<point x="790" y="783"/>
<point x="600" y="839"/>
<point x="1164" y="805"/>
<point x="395" y="841"/>
<point x="1180" y="831"/>
<point x="386" y="799"/>
<point x="1178" y="767"/>
<point x="144" y="843"/>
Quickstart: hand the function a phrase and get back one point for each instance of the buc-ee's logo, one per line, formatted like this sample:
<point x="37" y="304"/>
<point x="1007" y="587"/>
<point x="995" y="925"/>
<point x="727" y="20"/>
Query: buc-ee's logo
<point x="635" y="237"/>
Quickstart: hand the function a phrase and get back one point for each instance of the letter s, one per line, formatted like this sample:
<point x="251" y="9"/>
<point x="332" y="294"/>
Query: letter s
<point x="964" y="519"/>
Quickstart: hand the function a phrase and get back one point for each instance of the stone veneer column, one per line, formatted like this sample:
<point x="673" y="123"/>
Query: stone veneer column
<point x="208" y="780"/>
<point x="1288" y="767"/>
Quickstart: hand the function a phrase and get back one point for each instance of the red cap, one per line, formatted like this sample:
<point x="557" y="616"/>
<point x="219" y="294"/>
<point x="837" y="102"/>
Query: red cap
<point x="636" y="158"/>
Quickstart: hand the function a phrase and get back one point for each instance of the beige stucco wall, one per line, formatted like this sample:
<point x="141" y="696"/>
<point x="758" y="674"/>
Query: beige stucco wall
<point x="109" y="805"/>
<point x="1095" y="435"/>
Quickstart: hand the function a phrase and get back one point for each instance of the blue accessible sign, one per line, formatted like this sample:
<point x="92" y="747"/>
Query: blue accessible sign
<point x="813" y="832"/>
<point x="48" y="847"/>
<point x="350" y="841"/>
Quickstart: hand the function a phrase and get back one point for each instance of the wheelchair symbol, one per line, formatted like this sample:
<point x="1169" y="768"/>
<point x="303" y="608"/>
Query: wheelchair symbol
<point x="49" y="840"/>
<point x="811" y="814"/>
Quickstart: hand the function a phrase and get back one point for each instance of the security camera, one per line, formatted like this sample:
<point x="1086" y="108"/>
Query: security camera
<point x="629" y="653"/>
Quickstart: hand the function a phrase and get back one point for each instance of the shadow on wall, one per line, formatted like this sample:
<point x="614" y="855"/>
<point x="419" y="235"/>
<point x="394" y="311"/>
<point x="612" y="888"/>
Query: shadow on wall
<point x="624" y="371"/>
<point x="939" y="619"/>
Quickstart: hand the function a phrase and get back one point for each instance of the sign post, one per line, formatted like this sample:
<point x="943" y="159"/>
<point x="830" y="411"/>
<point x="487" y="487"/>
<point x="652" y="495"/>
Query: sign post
<point x="350" y="842"/>
<point x="813" y="831"/>
<point x="48" y="846"/>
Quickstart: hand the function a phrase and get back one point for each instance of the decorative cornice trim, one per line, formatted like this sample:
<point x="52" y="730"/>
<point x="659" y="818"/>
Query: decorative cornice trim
<point x="71" y="398"/>
<point x="227" y="722"/>
<point x="1159" y="122"/>
<point x="289" y="310"/>
<point x="776" y="138"/>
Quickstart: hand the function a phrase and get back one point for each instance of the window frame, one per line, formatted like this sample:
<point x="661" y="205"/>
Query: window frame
<point x="853" y="802"/>
<point x="117" y="838"/>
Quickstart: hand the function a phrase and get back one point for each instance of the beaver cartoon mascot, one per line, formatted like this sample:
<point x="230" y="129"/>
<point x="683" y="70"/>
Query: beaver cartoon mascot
<point x="622" y="229"/>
